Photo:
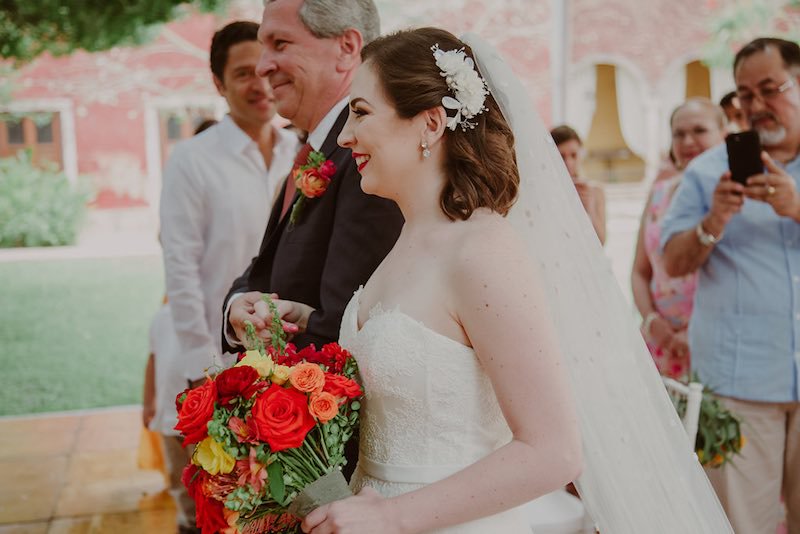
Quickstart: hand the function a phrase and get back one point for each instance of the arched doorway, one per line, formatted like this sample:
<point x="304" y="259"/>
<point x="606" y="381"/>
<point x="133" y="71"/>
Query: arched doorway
<point x="608" y="156"/>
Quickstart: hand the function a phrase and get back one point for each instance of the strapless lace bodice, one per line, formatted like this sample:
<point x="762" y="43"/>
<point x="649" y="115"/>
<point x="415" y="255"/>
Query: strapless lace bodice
<point x="429" y="408"/>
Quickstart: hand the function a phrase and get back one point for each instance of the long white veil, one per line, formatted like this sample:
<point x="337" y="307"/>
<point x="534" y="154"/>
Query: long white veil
<point x="640" y="474"/>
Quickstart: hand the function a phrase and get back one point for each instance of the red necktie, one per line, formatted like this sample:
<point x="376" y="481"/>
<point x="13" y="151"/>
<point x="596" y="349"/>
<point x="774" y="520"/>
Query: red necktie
<point x="299" y="160"/>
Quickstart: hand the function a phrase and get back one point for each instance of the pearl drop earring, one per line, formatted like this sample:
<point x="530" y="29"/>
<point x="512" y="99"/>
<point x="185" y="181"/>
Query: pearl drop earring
<point x="426" y="153"/>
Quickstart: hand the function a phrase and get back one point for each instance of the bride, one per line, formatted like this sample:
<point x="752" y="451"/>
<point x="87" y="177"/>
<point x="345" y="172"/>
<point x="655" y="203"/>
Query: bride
<point x="465" y="335"/>
<point x="468" y="411"/>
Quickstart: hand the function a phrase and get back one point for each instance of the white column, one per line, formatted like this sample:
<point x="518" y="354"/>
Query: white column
<point x="152" y="147"/>
<point x="559" y="54"/>
<point x="654" y="140"/>
<point x="69" y="146"/>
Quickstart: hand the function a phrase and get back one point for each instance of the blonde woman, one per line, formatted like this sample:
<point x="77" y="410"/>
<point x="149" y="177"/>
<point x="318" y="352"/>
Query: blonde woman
<point x="665" y="303"/>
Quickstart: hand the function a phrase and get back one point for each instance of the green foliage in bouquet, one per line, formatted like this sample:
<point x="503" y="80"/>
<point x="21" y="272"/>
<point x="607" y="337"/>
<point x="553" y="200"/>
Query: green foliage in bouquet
<point x="38" y="206"/>
<point x="719" y="435"/>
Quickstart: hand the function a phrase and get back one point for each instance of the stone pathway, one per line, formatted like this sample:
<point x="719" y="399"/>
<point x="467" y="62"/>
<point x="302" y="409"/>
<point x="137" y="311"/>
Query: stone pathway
<point x="76" y="473"/>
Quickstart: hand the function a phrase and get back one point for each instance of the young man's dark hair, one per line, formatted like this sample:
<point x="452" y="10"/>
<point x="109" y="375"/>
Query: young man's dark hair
<point x="727" y="100"/>
<point x="232" y="34"/>
<point x="562" y="134"/>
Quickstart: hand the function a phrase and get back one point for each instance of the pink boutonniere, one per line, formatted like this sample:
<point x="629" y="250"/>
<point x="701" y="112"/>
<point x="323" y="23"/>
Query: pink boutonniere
<point x="312" y="180"/>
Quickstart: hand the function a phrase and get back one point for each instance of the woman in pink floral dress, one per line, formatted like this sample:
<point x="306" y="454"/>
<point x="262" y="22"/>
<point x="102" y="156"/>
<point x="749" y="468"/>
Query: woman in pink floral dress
<point x="665" y="303"/>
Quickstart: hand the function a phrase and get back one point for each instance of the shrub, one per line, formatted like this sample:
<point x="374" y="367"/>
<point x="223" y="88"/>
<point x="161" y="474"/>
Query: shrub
<point x="38" y="205"/>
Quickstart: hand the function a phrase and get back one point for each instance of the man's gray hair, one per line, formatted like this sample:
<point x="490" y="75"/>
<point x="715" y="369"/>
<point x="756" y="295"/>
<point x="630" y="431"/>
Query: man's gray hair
<point x="331" y="18"/>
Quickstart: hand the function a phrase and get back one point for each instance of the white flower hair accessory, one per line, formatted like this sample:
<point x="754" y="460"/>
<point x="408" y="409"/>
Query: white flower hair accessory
<point x="466" y="84"/>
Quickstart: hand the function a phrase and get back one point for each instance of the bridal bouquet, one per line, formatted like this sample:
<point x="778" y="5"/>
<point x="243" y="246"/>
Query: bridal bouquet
<point x="719" y="435"/>
<point x="270" y="435"/>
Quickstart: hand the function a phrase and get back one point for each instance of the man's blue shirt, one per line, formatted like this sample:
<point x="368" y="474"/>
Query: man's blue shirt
<point x="744" y="332"/>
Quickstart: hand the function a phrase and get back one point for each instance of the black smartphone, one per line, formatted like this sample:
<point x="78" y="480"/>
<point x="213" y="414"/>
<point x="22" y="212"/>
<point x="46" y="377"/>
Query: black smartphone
<point x="744" y="155"/>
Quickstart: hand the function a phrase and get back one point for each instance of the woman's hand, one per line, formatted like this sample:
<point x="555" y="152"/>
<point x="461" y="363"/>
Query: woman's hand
<point x="679" y="344"/>
<point x="660" y="332"/>
<point x="366" y="513"/>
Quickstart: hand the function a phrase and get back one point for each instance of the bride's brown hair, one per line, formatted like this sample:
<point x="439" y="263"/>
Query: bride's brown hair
<point x="480" y="163"/>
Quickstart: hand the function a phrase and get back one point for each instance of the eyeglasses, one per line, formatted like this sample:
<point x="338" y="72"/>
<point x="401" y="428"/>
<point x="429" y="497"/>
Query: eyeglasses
<point x="768" y="93"/>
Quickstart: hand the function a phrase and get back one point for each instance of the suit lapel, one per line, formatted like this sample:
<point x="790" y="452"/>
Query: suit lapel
<point x="277" y="223"/>
<point x="329" y="146"/>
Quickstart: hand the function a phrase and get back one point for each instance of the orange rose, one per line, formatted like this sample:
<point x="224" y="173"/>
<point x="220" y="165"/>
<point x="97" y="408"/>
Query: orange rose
<point x="341" y="387"/>
<point x="307" y="377"/>
<point x="323" y="406"/>
<point x="311" y="182"/>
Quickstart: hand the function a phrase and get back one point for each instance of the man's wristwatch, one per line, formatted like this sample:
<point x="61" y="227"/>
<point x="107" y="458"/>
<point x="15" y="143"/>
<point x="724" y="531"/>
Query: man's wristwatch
<point x="706" y="239"/>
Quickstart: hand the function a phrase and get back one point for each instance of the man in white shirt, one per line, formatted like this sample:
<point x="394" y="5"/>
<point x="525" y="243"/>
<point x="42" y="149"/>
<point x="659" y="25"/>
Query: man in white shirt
<point x="217" y="193"/>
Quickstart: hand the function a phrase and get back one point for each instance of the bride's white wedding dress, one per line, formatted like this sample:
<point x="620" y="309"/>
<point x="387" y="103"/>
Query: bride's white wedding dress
<point x="429" y="409"/>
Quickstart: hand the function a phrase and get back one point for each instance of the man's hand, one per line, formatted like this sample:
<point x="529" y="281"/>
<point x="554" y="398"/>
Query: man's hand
<point x="294" y="315"/>
<point x="243" y="309"/>
<point x="726" y="202"/>
<point x="775" y="187"/>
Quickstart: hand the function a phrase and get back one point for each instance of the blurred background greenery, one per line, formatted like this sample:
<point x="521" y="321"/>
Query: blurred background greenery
<point x="75" y="332"/>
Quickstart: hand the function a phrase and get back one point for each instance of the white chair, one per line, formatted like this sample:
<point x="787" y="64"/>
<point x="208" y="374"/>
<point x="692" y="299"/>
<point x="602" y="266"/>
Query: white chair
<point x="693" y="391"/>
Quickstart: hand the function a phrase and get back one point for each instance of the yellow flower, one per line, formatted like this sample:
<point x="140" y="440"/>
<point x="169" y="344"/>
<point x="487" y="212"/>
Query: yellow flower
<point x="212" y="457"/>
<point x="262" y="364"/>
<point x="280" y="374"/>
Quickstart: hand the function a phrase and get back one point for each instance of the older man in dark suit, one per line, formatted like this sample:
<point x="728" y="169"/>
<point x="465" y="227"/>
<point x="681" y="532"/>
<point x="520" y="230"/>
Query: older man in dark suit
<point x="314" y="261"/>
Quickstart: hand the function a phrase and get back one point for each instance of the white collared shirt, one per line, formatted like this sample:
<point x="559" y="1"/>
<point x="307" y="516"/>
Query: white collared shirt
<point x="215" y="203"/>
<point x="320" y="133"/>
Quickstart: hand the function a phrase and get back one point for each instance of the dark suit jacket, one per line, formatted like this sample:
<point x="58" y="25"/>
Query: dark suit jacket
<point x="336" y="244"/>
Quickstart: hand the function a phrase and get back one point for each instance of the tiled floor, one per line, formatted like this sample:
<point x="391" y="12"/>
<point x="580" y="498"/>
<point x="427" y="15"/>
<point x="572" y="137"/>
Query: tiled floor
<point x="77" y="473"/>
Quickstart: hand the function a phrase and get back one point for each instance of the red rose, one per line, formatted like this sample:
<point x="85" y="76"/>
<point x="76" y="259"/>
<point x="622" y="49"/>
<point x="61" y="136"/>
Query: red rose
<point x="192" y="477"/>
<point x="210" y="515"/>
<point x="180" y="398"/>
<point x="196" y="411"/>
<point x="341" y="387"/>
<point x="327" y="169"/>
<point x="306" y="354"/>
<point x="336" y="357"/>
<point x="311" y="182"/>
<point x="235" y="382"/>
<point x="289" y="356"/>
<point x="281" y="418"/>
<point x="293" y="356"/>
<point x="209" y="512"/>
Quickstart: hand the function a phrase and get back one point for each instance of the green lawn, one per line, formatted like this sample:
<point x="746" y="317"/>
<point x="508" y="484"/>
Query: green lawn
<point x="73" y="333"/>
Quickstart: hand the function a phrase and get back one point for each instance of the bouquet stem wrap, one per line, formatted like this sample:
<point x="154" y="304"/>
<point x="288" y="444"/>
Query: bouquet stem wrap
<point x="329" y="488"/>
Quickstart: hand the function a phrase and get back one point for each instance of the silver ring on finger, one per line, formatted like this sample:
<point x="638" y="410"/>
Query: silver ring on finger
<point x="770" y="190"/>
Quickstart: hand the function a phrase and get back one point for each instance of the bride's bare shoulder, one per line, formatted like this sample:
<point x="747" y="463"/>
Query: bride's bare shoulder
<point x="485" y="242"/>
<point x="487" y="230"/>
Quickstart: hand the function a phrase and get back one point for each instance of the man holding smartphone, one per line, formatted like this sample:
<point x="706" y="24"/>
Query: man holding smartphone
<point x="744" y="333"/>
